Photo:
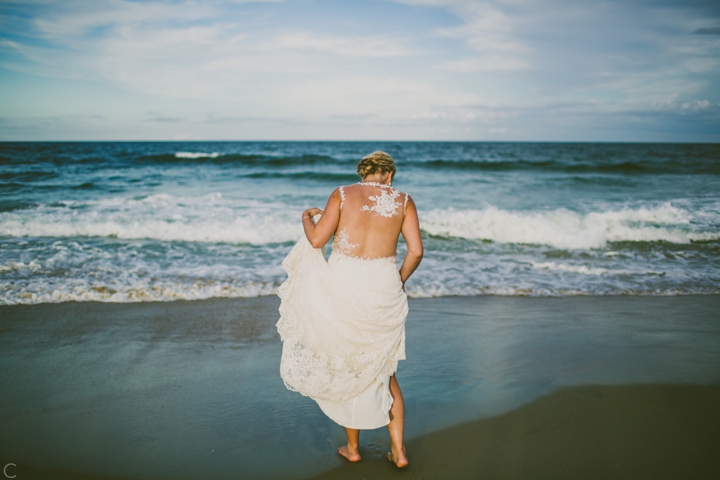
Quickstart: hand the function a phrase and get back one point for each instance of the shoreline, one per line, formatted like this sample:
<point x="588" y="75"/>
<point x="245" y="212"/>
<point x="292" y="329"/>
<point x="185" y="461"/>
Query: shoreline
<point x="191" y="389"/>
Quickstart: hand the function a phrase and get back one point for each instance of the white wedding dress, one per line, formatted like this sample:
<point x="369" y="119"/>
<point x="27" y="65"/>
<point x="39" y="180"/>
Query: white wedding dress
<point x="342" y="323"/>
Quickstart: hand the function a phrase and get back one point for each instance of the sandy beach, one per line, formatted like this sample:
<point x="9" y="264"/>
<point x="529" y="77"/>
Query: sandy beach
<point x="498" y="387"/>
<point x="589" y="432"/>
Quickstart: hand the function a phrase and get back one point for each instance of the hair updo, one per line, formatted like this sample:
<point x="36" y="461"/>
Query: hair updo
<point x="376" y="162"/>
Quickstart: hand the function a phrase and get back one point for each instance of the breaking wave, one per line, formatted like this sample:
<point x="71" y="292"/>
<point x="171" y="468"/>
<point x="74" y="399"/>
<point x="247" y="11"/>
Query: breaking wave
<point x="210" y="218"/>
<point x="566" y="229"/>
<point x="214" y="218"/>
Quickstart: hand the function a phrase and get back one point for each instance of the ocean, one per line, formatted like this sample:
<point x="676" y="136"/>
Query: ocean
<point x="162" y="221"/>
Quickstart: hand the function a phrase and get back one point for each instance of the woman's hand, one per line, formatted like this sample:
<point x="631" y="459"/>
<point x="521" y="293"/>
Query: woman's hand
<point x="311" y="212"/>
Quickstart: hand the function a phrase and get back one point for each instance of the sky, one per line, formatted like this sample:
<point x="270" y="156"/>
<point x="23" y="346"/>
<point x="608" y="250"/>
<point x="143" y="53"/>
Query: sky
<point x="499" y="70"/>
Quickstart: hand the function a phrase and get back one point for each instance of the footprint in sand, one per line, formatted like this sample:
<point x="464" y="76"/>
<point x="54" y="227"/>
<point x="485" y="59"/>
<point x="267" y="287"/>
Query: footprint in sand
<point x="378" y="450"/>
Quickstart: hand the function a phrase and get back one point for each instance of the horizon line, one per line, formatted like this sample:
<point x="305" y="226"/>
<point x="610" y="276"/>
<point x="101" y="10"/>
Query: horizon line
<point x="698" y="142"/>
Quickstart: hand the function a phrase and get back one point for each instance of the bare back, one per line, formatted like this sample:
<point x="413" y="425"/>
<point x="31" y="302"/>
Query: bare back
<point x="371" y="219"/>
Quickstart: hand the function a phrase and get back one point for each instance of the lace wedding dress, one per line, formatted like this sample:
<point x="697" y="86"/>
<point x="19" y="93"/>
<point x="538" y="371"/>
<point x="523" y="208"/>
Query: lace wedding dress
<point x="342" y="322"/>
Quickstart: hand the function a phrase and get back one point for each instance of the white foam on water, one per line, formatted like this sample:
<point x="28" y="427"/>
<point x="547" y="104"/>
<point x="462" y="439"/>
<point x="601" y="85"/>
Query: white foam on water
<point x="197" y="155"/>
<point x="447" y="291"/>
<point x="213" y="218"/>
<point x="210" y="218"/>
<point x="566" y="229"/>
<point x="75" y="292"/>
<point x="542" y="292"/>
<point x="164" y="247"/>
<point x="493" y="269"/>
<point x="77" y="272"/>
<point x="12" y="266"/>
<point x="586" y="270"/>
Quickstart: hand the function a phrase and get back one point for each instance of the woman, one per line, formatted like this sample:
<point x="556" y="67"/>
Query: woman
<point x="342" y="322"/>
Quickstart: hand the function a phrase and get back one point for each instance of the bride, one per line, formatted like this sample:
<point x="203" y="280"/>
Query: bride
<point x="342" y="322"/>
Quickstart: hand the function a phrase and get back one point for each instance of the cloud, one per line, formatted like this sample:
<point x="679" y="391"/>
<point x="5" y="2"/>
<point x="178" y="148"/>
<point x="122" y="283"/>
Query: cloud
<point x="367" y="46"/>
<point x="488" y="31"/>
<point x="165" y="119"/>
<point x="489" y="63"/>
<point x="212" y="119"/>
<point x="368" y="68"/>
<point x="182" y="50"/>
<point x="473" y="114"/>
<point x="380" y="96"/>
<point x="707" y="31"/>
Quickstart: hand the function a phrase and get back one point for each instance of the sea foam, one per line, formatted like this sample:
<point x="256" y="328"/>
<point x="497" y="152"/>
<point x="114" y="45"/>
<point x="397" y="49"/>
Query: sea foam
<point x="197" y="155"/>
<point x="210" y="218"/>
<point x="169" y="247"/>
<point x="59" y="293"/>
<point x="566" y="229"/>
<point x="213" y="218"/>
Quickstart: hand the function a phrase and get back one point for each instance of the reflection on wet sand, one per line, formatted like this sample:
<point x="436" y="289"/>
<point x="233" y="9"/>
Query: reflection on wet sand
<point x="192" y="389"/>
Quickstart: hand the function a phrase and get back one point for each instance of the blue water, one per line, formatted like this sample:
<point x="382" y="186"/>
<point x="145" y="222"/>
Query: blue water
<point x="125" y="222"/>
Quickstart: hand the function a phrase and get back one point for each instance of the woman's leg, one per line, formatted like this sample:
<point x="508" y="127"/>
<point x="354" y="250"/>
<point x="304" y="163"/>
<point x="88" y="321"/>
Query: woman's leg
<point x="396" y="427"/>
<point x="351" y="451"/>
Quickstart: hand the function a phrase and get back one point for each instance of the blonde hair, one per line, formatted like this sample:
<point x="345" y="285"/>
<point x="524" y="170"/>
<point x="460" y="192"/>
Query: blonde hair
<point x="375" y="162"/>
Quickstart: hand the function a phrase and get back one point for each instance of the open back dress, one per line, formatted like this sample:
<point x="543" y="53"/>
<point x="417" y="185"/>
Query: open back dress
<point x="342" y="321"/>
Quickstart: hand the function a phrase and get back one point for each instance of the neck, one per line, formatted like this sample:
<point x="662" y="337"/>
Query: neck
<point x="383" y="179"/>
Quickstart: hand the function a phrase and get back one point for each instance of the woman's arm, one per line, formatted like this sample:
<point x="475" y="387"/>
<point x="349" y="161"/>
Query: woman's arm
<point x="411" y="234"/>
<point x="318" y="235"/>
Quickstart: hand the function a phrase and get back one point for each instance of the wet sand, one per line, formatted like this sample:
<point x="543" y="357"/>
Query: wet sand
<point x="191" y="390"/>
<point x="590" y="432"/>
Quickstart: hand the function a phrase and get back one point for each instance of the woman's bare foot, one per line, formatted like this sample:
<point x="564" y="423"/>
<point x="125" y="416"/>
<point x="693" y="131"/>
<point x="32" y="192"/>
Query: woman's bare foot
<point x="351" y="455"/>
<point x="400" y="460"/>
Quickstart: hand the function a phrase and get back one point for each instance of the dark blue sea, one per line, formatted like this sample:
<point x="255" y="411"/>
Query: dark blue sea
<point x="159" y="221"/>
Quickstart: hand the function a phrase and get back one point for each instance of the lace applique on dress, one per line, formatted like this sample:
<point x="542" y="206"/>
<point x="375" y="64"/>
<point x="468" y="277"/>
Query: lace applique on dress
<point x="385" y="204"/>
<point x="341" y="243"/>
<point x="342" y="197"/>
